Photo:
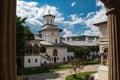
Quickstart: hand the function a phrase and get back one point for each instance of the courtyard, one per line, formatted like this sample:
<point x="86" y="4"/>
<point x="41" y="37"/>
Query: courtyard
<point x="59" y="75"/>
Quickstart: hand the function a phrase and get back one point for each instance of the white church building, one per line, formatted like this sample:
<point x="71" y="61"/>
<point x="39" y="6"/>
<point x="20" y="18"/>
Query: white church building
<point x="47" y="46"/>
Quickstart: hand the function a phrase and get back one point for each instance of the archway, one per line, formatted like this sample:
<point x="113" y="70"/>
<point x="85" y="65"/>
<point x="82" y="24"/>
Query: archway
<point x="55" y="54"/>
<point x="104" y="54"/>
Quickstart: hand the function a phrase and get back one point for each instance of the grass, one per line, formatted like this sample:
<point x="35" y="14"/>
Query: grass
<point x="38" y="70"/>
<point x="80" y="76"/>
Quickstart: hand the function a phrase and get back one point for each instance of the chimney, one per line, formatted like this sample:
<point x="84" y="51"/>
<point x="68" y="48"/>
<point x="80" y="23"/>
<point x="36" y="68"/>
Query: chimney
<point x="95" y="39"/>
<point x="66" y="39"/>
<point x="86" y="39"/>
<point x="70" y="39"/>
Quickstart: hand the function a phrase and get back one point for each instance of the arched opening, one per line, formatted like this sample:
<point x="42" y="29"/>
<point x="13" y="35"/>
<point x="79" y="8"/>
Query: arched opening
<point x="28" y="49"/>
<point x="36" y="49"/>
<point x="55" y="54"/>
<point x="105" y="53"/>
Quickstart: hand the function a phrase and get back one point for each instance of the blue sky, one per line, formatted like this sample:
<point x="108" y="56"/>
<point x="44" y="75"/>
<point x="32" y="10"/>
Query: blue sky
<point x="75" y="17"/>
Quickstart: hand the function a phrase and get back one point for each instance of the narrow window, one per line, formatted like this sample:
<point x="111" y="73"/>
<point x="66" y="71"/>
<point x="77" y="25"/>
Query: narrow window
<point x="35" y="60"/>
<point x="52" y="33"/>
<point x="28" y="60"/>
<point x="51" y="21"/>
<point x="55" y="40"/>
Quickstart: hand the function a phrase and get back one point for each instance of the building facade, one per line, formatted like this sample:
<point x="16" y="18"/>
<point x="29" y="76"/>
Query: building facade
<point x="47" y="46"/>
<point x="103" y="38"/>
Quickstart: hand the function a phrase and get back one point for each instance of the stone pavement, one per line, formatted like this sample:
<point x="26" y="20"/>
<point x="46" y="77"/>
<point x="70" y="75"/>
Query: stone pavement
<point x="60" y="75"/>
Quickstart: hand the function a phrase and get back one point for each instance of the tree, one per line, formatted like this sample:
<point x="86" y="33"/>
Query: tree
<point x="23" y="34"/>
<point x="75" y="65"/>
<point x="81" y="52"/>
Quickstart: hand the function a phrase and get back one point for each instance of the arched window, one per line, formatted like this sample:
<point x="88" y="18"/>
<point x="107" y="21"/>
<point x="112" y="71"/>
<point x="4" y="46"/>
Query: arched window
<point x="28" y="49"/>
<point x="55" y="40"/>
<point x="52" y="33"/>
<point x="36" y="49"/>
<point x="55" y="52"/>
<point x="105" y="50"/>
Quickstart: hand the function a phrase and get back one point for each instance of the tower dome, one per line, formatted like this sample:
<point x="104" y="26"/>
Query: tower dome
<point x="49" y="19"/>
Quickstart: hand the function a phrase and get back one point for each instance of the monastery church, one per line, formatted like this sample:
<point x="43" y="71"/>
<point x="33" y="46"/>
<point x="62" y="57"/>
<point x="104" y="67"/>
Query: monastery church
<point x="47" y="46"/>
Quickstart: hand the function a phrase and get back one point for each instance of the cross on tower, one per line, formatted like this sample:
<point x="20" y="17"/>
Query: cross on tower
<point x="49" y="11"/>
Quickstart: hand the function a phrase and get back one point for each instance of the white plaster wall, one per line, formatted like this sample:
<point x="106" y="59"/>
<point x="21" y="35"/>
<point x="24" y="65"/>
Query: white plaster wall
<point x="70" y="54"/>
<point x="51" y="37"/>
<point x="103" y="72"/>
<point x="32" y="61"/>
<point x="44" y="60"/>
<point x="103" y="30"/>
<point x="62" y="52"/>
<point x="48" y="36"/>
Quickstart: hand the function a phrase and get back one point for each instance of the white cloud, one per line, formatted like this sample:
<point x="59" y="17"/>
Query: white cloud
<point x="73" y="4"/>
<point x="93" y="31"/>
<point x="34" y="14"/>
<point x="95" y="17"/>
<point x="68" y="33"/>
<point x="99" y="3"/>
<point x="74" y="20"/>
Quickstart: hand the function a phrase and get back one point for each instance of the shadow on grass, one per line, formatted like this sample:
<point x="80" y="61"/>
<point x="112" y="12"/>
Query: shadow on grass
<point x="38" y="70"/>
<point x="44" y="76"/>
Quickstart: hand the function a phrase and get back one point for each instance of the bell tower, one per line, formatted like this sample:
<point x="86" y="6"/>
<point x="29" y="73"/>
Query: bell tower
<point x="49" y="19"/>
<point x="50" y="32"/>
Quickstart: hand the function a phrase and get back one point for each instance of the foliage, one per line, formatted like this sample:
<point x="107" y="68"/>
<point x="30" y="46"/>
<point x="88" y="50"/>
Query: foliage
<point x="80" y="76"/>
<point x="82" y="52"/>
<point x="75" y="65"/>
<point x="23" y="33"/>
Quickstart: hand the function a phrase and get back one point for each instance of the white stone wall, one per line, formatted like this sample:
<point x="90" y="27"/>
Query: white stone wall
<point x="44" y="60"/>
<point x="102" y="73"/>
<point x="32" y="62"/>
<point x="51" y="36"/>
<point x="62" y="52"/>
<point x="103" y="30"/>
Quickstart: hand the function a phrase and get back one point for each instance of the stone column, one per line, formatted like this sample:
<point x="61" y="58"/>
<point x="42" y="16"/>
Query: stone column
<point x="7" y="39"/>
<point x="113" y="13"/>
<point x="102" y="58"/>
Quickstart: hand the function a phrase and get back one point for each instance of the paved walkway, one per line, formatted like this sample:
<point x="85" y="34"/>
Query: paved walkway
<point x="60" y="75"/>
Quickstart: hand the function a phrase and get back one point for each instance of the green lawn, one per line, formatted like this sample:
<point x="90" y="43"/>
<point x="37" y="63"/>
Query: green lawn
<point x="80" y="76"/>
<point x="37" y="70"/>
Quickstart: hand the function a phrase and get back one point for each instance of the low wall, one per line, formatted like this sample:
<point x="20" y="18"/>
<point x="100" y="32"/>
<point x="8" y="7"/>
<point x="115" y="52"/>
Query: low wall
<point x="102" y="73"/>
